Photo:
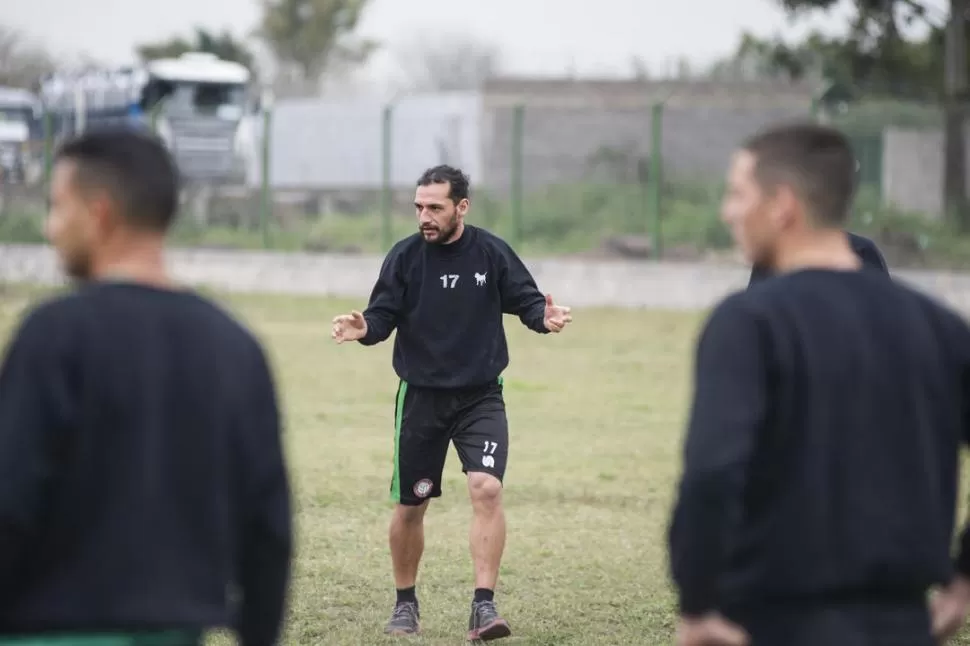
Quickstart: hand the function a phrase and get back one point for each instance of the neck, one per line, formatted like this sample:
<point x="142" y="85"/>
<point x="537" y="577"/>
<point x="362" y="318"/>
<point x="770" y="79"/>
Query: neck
<point x="828" y="249"/>
<point x="138" y="260"/>
<point x="457" y="234"/>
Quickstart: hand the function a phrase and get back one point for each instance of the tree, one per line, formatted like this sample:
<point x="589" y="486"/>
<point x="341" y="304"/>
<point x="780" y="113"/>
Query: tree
<point x="311" y="37"/>
<point x="22" y="64"/>
<point x="898" y="69"/>
<point x="223" y="45"/>
<point x="876" y="53"/>
<point x="453" y="63"/>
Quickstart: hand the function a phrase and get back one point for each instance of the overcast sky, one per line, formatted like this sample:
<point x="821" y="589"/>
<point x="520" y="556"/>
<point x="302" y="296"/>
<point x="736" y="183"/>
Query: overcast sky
<point x="536" y="36"/>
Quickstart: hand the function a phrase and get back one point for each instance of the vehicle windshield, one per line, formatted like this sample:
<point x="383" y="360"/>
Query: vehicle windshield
<point x="224" y="100"/>
<point x="14" y="115"/>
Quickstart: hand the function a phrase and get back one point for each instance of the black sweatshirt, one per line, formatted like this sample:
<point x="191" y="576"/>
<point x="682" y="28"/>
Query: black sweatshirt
<point x="446" y="302"/>
<point x="143" y="473"/>
<point x="864" y="248"/>
<point x="821" y="458"/>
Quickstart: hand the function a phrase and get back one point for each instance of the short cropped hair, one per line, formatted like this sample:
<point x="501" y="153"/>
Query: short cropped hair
<point x="133" y="167"/>
<point x="444" y="174"/>
<point x="816" y="161"/>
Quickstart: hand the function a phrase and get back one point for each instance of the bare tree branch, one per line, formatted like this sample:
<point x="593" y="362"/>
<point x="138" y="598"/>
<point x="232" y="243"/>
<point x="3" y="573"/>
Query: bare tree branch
<point x="22" y="64"/>
<point x="455" y="63"/>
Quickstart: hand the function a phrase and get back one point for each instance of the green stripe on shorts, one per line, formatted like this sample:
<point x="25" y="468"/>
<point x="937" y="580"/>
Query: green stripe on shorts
<point x="402" y="390"/>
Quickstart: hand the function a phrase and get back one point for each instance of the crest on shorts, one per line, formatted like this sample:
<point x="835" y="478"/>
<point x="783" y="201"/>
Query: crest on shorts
<point x="422" y="488"/>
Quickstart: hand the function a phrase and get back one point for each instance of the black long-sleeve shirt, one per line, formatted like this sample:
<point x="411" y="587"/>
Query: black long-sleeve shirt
<point x="143" y="472"/>
<point x="446" y="302"/>
<point x="864" y="248"/>
<point x="821" y="458"/>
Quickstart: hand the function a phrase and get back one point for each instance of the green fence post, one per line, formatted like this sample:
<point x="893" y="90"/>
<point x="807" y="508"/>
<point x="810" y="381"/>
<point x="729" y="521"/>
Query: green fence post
<point x="518" y="132"/>
<point x="266" y="203"/>
<point x="387" y="188"/>
<point x="153" y="116"/>
<point x="656" y="175"/>
<point x="48" y="146"/>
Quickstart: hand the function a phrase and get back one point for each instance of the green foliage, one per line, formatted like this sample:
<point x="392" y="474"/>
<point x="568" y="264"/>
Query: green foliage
<point x="312" y="36"/>
<point x="223" y="45"/>
<point x="872" y="59"/>
<point x="21" y="228"/>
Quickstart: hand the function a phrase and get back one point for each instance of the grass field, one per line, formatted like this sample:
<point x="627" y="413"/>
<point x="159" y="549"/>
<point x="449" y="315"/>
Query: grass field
<point x="596" y="414"/>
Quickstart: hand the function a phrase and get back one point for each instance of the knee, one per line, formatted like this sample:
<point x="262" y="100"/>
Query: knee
<point x="410" y="514"/>
<point x="485" y="490"/>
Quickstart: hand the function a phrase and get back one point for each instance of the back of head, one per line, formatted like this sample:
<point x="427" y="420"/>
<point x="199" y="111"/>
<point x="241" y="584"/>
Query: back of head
<point x="132" y="169"/>
<point x="815" y="162"/>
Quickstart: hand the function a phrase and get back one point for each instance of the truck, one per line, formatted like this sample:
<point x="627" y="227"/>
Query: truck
<point x="19" y="110"/>
<point x="195" y="103"/>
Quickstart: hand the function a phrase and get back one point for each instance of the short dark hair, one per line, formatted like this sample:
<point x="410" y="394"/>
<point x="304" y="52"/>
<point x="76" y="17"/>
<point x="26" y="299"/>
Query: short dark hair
<point x="457" y="181"/>
<point x="816" y="161"/>
<point x="133" y="167"/>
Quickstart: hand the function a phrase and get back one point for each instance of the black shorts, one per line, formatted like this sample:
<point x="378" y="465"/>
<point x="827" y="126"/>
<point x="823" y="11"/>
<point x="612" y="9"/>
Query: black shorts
<point x="426" y="419"/>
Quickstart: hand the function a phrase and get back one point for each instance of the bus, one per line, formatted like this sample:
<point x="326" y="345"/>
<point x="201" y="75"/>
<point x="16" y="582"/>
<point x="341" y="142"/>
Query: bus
<point x="195" y="103"/>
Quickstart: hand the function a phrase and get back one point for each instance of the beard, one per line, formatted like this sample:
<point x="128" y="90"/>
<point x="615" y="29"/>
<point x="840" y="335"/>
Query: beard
<point x="439" y="235"/>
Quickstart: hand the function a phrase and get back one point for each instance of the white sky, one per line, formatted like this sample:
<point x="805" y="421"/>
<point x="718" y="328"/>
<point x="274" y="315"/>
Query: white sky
<point x="540" y="37"/>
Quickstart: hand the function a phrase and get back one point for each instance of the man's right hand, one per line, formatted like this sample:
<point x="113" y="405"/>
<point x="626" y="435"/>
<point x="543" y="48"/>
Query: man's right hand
<point x="949" y="608"/>
<point x="349" y="327"/>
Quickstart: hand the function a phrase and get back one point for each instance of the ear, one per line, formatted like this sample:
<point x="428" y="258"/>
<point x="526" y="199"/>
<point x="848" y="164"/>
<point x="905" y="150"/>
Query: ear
<point x="462" y="207"/>
<point x="788" y="209"/>
<point x="102" y="210"/>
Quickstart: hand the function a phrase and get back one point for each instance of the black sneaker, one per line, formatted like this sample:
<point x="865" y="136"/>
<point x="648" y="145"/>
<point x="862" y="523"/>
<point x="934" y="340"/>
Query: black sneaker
<point x="485" y="624"/>
<point x="404" y="620"/>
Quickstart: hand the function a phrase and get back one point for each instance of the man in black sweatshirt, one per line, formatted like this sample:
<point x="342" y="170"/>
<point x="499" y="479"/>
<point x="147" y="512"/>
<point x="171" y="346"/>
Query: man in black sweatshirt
<point x="445" y="289"/>
<point x="863" y="247"/>
<point x="145" y="497"/>
<point x="817" y="499"/>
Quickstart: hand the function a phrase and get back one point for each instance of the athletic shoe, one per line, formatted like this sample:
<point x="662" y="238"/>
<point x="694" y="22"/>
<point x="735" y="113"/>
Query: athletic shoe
<point x="485" y="624"/>
<point x="405" y="620"/>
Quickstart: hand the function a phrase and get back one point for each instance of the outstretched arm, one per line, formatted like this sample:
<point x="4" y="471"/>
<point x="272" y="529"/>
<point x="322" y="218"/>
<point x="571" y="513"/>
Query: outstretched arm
<point x="386" y="301"/>
<point x="520" y="295"/>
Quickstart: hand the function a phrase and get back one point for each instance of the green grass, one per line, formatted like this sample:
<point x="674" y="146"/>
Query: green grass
<point x="596" y="416"/>
<point x="594" y="421"/>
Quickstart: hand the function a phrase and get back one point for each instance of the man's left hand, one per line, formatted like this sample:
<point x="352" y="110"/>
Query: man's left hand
<point x="556" y="316"/>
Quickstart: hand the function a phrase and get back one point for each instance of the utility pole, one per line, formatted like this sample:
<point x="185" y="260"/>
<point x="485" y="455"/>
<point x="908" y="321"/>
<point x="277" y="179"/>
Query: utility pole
<point x="954" y="110"/>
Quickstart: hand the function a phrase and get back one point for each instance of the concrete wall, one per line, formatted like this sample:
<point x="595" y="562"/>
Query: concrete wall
<point x="569" y="126"/>
<point x="573" y="282"/>
<point x="338" y="144"/>
<point x="563" y="145"/>
<point x="912" y="169"/>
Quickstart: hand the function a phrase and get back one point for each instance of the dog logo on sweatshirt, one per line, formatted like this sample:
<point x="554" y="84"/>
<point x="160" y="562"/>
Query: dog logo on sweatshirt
<point x="480" y="279"/>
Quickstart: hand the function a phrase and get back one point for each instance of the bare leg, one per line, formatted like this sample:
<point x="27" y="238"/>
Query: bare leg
<point x="487" y="542"/>
<point x="487" y="536"/>
<point x="406" y="537"/>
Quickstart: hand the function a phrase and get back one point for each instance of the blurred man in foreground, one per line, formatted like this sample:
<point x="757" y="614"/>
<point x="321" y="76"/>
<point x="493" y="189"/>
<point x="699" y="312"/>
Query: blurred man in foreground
<point x="144" y="483"/>
<point x="866" y="250"/>
<point x="820" y="474"/>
